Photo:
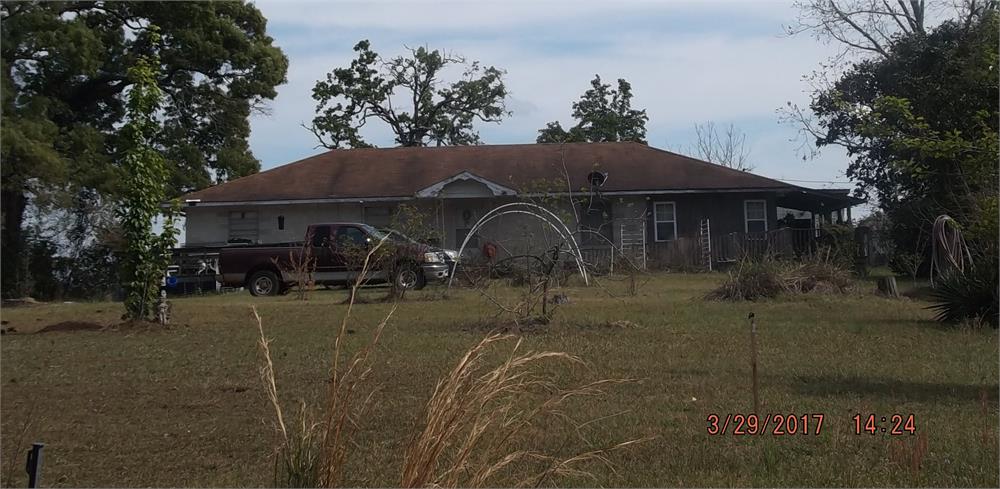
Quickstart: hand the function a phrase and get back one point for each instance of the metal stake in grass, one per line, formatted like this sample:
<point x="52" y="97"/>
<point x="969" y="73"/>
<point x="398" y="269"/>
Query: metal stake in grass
<point x="34" y="465"/>
<point x="753" y="362"/>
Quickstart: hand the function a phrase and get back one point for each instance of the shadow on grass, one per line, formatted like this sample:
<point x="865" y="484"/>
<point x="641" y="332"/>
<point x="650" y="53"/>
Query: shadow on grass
<point x="921" y="293"/>
<point x="828" y="385"/>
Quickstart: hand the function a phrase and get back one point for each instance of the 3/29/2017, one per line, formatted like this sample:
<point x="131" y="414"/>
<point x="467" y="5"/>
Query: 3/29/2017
<point x="769" y="424"/>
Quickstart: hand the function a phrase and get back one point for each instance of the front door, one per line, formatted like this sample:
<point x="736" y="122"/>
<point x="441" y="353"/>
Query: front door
<point x="467" y="218"/>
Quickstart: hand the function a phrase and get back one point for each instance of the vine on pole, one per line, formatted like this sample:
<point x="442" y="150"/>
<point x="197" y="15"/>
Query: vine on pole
<point x="144" y="181"/>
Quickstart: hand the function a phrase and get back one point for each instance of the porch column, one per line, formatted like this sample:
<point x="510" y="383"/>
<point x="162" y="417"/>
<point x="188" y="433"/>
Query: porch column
<point x="444" y="229"/>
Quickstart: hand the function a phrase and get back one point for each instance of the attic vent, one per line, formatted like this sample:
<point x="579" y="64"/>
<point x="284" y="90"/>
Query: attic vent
<point x="597" y="178"/>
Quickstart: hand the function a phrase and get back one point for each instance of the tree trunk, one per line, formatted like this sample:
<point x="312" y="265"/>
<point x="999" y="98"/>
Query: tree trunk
<point x="13" y="204"/>
<point x="887" y="286"/>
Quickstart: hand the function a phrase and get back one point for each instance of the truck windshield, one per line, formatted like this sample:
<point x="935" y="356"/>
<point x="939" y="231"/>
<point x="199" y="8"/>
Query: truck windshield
<point x="398" y="237"/>
<point x="378" y="234"/>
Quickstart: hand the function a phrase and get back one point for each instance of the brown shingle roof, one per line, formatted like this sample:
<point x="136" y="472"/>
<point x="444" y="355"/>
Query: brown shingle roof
<point x="401" y="172"/>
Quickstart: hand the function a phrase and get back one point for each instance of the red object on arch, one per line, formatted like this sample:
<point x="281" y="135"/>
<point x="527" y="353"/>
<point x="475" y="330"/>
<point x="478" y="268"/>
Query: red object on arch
<point x="490" y="250"/>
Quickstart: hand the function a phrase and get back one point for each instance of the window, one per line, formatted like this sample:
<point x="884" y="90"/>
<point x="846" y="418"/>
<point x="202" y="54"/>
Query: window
<point x="351" y="236"/>
<point x="243" y="227"/>
<point x="664" y="221"/>
<point x="755" y="215"/>
<point x="320" y="235"/>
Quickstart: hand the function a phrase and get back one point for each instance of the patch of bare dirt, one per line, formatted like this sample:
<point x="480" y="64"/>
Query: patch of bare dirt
<point x="621" y="324"/>
<point x="71" y="326"/>
<point x="134" y="325"/>
<point x="535" y="324"/>
<point x="22" y="302"/>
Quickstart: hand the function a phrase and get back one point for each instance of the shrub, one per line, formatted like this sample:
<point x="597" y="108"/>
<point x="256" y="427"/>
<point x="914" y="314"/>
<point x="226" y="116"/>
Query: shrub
<point x="752" y="280"/>
<point x="837" y="244"/>
<point x="816" y="274"/>
<point x="972" y="295"/>
<point x="768" y="277"/>
<point x="909" y="263"/>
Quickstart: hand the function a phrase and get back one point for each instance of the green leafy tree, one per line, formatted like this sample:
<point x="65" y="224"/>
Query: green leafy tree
<point x="602" y="114"/>
<point x="919" y="121"/>
<point x="65" y="76"/>
<point x="439" y="113"/>
<point x="144" y="188"/>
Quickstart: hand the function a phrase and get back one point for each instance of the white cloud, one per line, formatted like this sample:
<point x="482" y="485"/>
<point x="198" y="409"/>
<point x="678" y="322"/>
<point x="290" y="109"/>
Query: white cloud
<point x="427" y="16"/>
<point x="725" y="62"/>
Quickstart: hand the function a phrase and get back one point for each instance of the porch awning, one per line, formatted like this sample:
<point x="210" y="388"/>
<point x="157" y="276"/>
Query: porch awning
<point x="817" y="200"/>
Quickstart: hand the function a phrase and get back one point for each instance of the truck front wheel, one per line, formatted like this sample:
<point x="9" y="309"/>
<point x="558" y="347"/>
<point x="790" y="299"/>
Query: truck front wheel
<point x="410" y="276"/>
<point x="264" y="282"/>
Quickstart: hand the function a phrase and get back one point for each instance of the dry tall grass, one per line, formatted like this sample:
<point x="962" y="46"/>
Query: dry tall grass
<point x="296" y="454"/>
<point x="301" y="264"/>
<point x="315" y="451"/>
<point x="19" y="443"/>
<point x="909" y="452"/>
<point x="476" y="423"/>
<point x="477" y="419"/>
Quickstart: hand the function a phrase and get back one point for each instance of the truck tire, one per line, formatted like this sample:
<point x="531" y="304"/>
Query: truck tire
<point x="409" y="276"/>
<point x="264" y="282"/>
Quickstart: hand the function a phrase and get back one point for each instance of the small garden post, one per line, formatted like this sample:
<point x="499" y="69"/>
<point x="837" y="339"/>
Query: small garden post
<point x="753" y="363"/>
<point x="34" y="465"/>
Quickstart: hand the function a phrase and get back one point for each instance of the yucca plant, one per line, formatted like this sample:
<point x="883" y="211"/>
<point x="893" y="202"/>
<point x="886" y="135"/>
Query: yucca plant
<point x="971" y="295"/>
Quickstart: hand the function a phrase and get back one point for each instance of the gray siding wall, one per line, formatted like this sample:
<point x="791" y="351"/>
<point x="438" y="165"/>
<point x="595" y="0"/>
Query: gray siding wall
<point x="723" y="210"/>
<point x="209" y="226"/>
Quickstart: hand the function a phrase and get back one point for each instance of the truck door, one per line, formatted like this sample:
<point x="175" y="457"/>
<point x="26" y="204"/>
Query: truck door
<point x="349" y="250"/>
<point x="320" y="237"/>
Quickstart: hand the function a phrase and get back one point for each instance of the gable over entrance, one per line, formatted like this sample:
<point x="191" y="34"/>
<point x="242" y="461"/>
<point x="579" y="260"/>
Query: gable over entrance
<point x="465" y="185"/>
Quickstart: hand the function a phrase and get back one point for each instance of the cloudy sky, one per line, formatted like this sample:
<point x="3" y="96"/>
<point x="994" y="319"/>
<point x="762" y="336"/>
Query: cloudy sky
<point x="688" y="62"/>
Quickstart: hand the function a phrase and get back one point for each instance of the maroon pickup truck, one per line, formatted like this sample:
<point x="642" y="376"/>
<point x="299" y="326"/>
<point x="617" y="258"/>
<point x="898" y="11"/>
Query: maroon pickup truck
<point x="265" y="270"/>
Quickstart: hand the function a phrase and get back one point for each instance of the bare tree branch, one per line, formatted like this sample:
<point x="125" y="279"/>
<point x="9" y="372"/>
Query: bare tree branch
<point x="868" y="26"/>
<point x="728" y="149"/>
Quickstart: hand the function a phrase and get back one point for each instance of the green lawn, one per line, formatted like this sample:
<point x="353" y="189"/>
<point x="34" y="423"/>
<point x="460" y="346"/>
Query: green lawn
<point x="185" y="406"/>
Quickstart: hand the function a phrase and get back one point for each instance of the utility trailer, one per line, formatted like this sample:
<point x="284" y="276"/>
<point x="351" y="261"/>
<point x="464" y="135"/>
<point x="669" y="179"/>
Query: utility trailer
<point x="193" y="270"/>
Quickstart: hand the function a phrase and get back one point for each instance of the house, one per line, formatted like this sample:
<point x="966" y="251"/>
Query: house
<point x="625" y="194"/>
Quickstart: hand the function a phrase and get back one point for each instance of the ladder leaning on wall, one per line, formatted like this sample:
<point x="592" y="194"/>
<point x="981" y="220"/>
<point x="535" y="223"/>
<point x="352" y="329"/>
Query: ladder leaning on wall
<point x="632" y="239"/>
<point x="705" y="239"/>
